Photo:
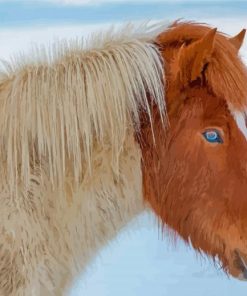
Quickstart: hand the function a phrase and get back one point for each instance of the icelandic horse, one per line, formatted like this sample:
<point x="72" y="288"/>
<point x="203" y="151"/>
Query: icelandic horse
<point x="94" y="133"/>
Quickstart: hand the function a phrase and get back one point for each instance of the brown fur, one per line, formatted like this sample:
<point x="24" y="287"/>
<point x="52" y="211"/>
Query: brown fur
<point x="199" y="188"/>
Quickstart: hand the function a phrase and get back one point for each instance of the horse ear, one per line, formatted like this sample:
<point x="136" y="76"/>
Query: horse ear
<point x="238" y="40"/>
<point x="193" y="58"/>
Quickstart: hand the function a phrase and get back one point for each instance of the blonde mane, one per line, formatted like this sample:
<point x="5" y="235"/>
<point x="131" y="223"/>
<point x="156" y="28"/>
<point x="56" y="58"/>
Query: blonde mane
<point x="74" y="95"/>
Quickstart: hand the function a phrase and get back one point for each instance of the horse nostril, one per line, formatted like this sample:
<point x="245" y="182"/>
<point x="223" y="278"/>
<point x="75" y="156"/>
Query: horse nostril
<point x="240" y="263"/>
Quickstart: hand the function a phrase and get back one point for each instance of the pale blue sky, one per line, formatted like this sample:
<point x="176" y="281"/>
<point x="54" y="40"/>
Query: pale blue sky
<point x="29" y="13"/>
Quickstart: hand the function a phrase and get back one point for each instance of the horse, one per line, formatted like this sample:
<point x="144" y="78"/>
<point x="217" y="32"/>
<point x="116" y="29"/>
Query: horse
<point x="95" y="132"/>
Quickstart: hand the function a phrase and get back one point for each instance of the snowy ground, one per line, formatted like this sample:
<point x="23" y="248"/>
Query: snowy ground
<point x="138" y="261"/>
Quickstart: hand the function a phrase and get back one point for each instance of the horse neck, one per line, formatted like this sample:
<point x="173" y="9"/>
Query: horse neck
<point x="104" y="203"/>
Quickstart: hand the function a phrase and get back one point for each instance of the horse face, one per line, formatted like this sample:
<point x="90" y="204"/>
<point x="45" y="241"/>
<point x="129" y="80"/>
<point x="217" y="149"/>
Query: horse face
<point x="206" y="175"/>
<point x="195" y="176"/>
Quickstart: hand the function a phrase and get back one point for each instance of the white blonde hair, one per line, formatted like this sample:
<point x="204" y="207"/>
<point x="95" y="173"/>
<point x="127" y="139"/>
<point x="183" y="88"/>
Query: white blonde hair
<point x="57" y="103"/>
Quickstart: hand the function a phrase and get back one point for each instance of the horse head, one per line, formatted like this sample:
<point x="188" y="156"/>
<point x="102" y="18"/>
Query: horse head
<point x="195" y="174"/>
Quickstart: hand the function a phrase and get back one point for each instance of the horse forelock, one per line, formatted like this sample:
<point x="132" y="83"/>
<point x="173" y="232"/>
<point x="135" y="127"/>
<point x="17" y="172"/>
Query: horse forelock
<point x="225" y="74"/>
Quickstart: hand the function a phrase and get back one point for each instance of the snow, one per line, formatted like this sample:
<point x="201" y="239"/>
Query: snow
<point x="138" y="262"/>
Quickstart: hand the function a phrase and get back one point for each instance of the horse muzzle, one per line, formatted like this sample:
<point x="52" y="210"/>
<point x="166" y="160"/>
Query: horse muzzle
<point x="240" y="263"/>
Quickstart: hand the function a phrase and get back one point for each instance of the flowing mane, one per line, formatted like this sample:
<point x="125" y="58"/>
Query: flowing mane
<point x="58" y="102"/>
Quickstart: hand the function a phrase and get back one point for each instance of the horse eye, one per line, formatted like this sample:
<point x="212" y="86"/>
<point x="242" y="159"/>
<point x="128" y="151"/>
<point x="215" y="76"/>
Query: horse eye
<point x="212" y="136"/>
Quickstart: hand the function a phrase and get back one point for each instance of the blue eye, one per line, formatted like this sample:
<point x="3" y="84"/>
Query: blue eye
<point x="212" y="136"/>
